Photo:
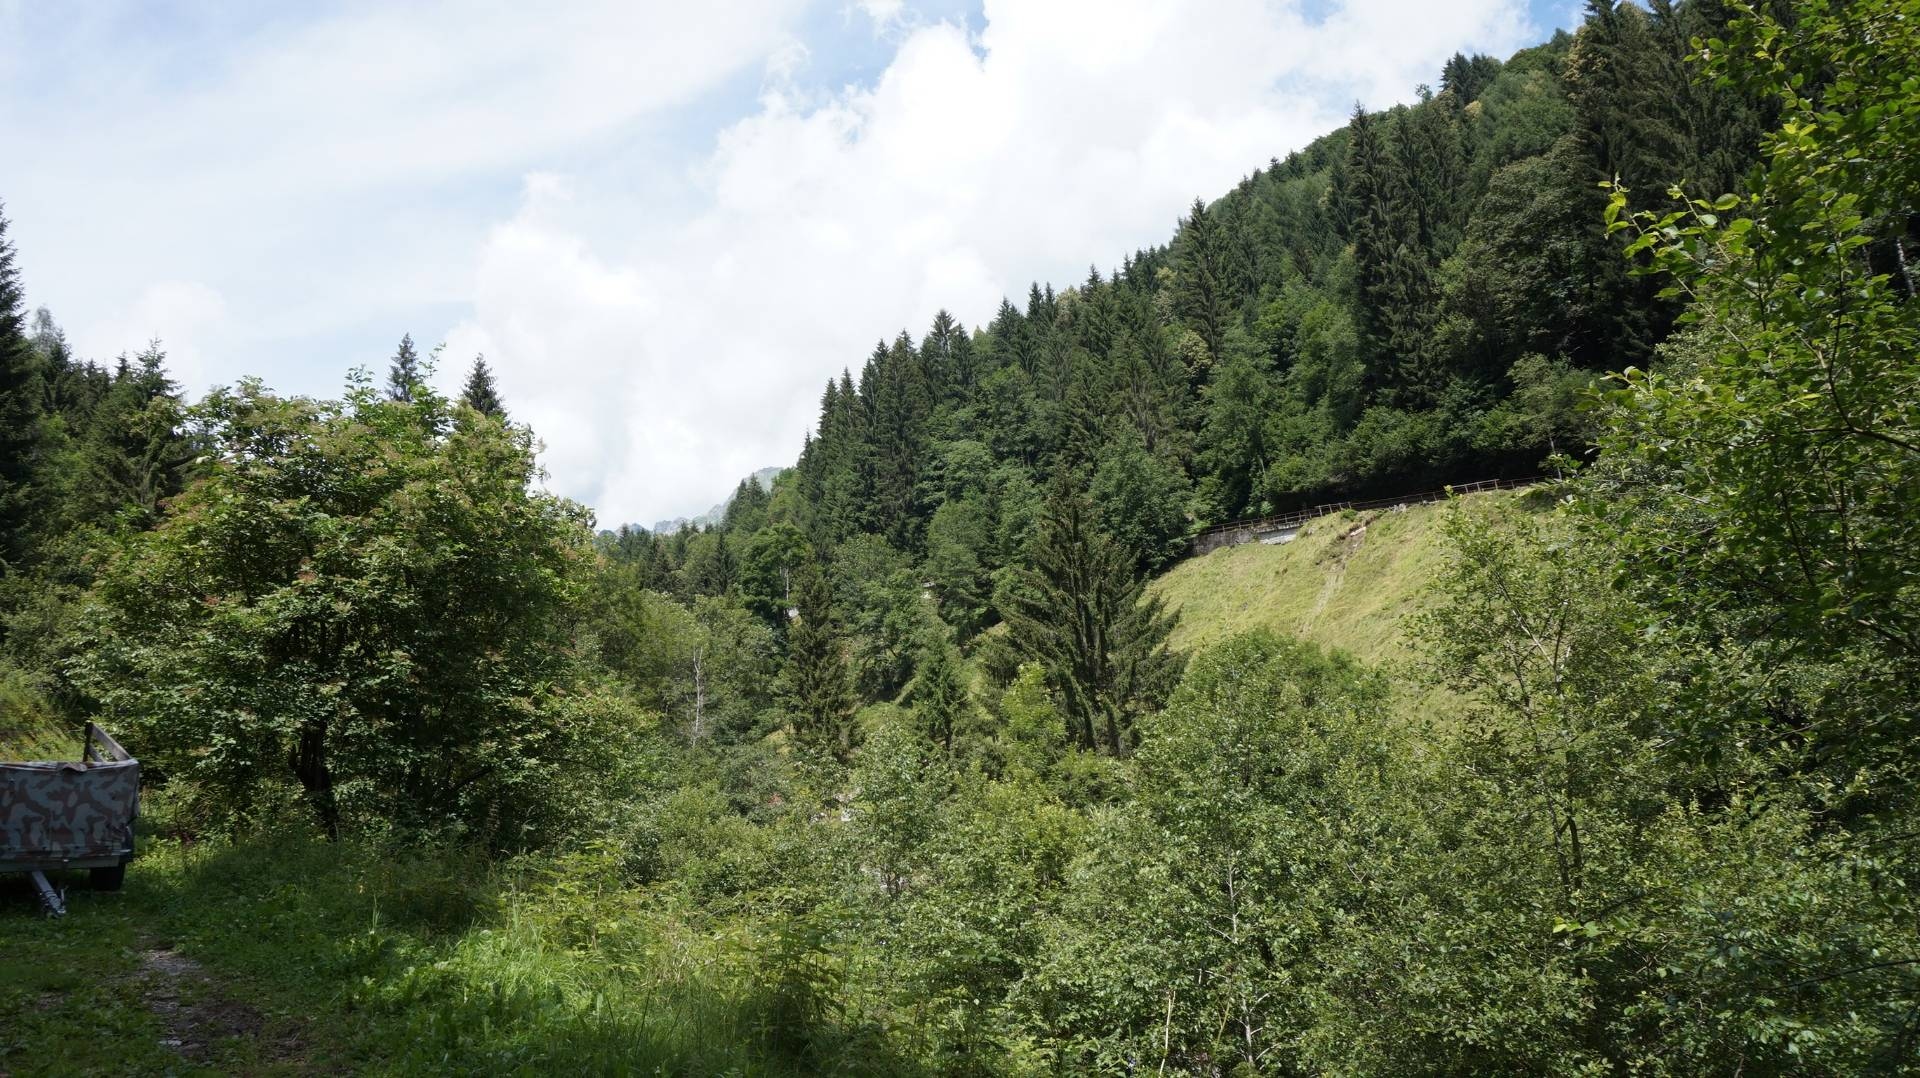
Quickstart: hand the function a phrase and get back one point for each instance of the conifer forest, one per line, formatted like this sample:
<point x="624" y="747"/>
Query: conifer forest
<point x="943" y="753"/>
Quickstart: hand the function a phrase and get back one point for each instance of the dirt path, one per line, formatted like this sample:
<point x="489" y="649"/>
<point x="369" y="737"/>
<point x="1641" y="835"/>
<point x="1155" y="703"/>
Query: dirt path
<point x="196" y="1015"/>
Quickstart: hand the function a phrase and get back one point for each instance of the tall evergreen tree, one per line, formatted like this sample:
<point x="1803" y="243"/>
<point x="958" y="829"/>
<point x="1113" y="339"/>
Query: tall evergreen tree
<point x="939" y="695"/>
<point x="1433" y="159"/>
<point x="845" y="485"/>
<point x="133" y="452"/>
<point x="815" y="684"/>
<point x="946" y="354"/>
<point x="894" y="391"/>
<point x="711" y="567"/>
<point x="480" y="393"/>
<point x="22" y="430"/>
<point x="1389" y="261"/>
<point x="1201" y="288"/>
<point x="403" y="374"/>
<point x="55" y="360"/>
<point x="746" y="509"/>
<point x="1081" y="612"/>
<point x="1465" y="77"/>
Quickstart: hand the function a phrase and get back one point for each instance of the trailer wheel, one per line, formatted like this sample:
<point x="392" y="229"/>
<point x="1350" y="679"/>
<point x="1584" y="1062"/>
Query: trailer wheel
<point x="107" y="879"/>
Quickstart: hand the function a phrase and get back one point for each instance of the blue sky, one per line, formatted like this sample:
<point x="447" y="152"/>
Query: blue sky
<point x="665" y="225"/>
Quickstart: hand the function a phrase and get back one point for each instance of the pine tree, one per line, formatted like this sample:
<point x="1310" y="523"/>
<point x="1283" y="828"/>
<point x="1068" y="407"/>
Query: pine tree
<point x="1201" y="288"/>
<point x="1038" y="305"/>
<point x="946" y="353"/>
<point x="815" y="685"/>
<point x="1433" y="158"/>
<point x="1012" y="340"/>
<point x="1391" y="265"/>
<point x="1629" y="125"/>
<point x="715" y="569"/>
<point x="1465" y="77"/>
<point x="131" y="453"/>
<point x="845" y="486"/>
<point x="54" y="358"/>
<point x="746" y="510"/>
<point x="480" y="393"/>
<point x="403" y="375"/>
<point x="939" y="696"/>
<point x="22" y="427"/>
<point x="894" y="393"/>
<point x="1081" y="611"/>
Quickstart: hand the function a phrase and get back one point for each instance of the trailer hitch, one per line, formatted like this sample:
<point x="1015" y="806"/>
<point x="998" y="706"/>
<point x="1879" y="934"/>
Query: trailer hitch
<point x="54" y="900"/>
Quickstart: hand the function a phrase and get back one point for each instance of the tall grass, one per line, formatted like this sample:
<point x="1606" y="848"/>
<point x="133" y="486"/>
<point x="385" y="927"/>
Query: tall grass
<point x="430" y="959"/>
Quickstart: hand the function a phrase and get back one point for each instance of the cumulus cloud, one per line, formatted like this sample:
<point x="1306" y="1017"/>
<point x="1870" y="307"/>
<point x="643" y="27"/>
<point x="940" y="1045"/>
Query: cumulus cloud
<point x="884" y="13"/>
<point x="690" y="352"/>
<point x="318" y="168"/>
<point x="663" y="264"/>
<point x="184" y="316"/>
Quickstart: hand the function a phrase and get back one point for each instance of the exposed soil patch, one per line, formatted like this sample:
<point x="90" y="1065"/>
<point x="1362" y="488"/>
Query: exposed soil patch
<point x="197" y="1016"/>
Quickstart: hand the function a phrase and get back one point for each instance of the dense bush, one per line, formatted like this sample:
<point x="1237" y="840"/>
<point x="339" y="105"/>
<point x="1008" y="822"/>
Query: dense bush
<point x="364" y="598"/>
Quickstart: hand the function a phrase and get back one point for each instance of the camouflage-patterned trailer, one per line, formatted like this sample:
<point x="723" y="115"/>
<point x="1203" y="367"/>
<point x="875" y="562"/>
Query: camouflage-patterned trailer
<point x="61" y="815"/>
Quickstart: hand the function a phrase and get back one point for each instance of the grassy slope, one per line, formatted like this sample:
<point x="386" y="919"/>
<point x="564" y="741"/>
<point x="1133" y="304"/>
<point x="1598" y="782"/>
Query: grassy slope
<point x="1349" y="580"/>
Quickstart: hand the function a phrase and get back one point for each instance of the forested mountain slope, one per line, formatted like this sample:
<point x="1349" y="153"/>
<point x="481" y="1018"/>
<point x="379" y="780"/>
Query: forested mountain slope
<point x="909" y="767"/>
<point x="1418" y="298"/>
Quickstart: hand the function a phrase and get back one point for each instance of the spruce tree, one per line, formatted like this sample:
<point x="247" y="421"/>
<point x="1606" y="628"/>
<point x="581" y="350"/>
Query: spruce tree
<point x="1388" y="256"/>
<point x="403" y="375"/>
<point x="844" y="483"/>
<point x="894" y="392"/>
<point x="1013" y="338"/>
<point x="22" y="430"/>
<point x="946" y="354"/>
<point x="1080" y="611"/>
<point x="131" y="451"/>
<point x="1627" y="130"/>
<point x="939" y="696"/>
<point x="746" y="510"/>
<point x="1465" y="77"/>
<point x="716" y="569"/>
<point x="72" y="389"/>
<point x="1433" y="159"/>
<point x="815" y="685"/>
<point x="1202" y="289"/>
<point x="54" y="359"/>
<point x="480" y="393"/>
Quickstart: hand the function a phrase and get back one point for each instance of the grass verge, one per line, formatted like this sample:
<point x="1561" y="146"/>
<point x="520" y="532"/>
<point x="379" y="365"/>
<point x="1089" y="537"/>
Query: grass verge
<point x="286" y="954"/>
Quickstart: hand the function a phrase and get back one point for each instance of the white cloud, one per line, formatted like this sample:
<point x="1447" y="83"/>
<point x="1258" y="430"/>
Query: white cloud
<point x="324" y="172"/>
<point x="184" y="316"/>
<point x="885" y="13"/>
<point x="689" y="352"/>
<point x="662" y="288"/>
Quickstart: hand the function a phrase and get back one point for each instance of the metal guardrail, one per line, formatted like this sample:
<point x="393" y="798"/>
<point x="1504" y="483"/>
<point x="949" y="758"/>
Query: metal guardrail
<point x="1208" y="539"/>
